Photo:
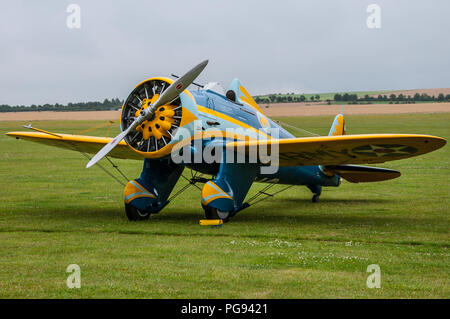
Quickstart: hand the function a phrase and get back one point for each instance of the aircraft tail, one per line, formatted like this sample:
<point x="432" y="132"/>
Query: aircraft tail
<point x="356" y="173"/>
<point x="338" y="126"/>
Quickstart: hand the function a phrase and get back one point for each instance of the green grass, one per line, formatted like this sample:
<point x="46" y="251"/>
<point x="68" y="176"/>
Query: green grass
<point x="54" y="212"/>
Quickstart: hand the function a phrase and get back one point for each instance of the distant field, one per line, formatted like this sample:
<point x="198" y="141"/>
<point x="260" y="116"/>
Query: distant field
<point x="275" y="109"/>
<point x="312" y="109"/>
<point x="66" y="116"/>
<point x="54" y="212"/>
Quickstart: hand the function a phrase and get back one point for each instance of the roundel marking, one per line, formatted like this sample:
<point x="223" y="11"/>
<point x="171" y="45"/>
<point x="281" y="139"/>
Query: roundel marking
<point x="385" y="150"/>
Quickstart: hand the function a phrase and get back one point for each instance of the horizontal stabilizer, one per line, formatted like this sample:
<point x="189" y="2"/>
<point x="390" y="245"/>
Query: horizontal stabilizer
<point x="362" y="174"/>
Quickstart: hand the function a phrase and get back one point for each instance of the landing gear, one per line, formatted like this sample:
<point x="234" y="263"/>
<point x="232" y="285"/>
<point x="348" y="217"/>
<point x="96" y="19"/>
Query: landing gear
<point x="135" y="214"/>
<point x="315" y="198"/>
<point x="316" y="190"/>
<point x="214" y="213"/>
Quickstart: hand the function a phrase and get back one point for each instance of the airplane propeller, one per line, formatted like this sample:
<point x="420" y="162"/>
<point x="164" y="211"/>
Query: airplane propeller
<point x="171" y="93"/>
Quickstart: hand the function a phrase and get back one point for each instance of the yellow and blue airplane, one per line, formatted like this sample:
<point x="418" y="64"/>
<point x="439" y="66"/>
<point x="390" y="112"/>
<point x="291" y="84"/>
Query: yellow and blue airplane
<point x="161" y="116"/>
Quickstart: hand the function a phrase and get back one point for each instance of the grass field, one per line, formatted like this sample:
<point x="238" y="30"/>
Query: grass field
<point x="54" y="212"/>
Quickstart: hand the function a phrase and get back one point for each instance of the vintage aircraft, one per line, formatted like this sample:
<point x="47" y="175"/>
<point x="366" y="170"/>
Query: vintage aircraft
<point x="161" y="117"/>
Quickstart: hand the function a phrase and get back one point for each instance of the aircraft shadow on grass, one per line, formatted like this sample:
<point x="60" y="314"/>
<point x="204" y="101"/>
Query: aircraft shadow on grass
<point x="269" y="210"/>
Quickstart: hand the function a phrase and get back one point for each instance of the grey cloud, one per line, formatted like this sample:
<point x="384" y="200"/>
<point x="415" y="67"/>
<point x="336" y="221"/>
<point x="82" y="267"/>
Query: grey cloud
<point x="284" y="46"/>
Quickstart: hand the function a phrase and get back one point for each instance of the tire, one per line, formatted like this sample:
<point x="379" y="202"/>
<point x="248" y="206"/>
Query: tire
<point x="214" y="213"/>
<point x="134" y="214"/>
<point x="315" y="198"/>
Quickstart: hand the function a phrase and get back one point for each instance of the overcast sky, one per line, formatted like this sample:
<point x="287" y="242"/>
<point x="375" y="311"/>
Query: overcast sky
<point x="271" y="46"/>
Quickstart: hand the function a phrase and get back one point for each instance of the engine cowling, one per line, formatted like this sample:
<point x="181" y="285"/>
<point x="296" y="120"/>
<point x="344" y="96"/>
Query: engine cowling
<point x="153" y="136"/>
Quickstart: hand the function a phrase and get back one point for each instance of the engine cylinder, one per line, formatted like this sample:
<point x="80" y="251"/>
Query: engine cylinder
<point x="154" y="134"/>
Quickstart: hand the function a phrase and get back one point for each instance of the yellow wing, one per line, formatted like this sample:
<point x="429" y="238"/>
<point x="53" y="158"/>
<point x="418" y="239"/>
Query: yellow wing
<point x="345" y="149"/>
<point x="81" y="143"/>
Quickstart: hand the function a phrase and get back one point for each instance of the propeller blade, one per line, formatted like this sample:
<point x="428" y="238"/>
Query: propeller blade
<point x="167" y="96"/>
<point x="175" y="89"/>
<point x="107" y="148"/>
<point x="180" y="85"/>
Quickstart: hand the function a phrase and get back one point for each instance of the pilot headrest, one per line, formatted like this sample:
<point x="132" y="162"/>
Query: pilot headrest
<point x="231" y="95"/>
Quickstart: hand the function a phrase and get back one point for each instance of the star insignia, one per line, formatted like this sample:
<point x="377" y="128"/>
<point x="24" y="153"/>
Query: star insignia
<point x="385" y="150"/>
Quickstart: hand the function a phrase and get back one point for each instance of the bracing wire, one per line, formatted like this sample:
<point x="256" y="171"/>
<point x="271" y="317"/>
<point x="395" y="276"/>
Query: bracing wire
<point x="261" y="192"/>
<point x="181" y="190"/>
<point x="99" y="165"/>
<point x="191" y="182"/>
<point x="297" y="128"/>
<point x="117" y="168"/>
<point x="104" y="169"/>
<point x="108" y="123"/>
<point x="269" y="195"/>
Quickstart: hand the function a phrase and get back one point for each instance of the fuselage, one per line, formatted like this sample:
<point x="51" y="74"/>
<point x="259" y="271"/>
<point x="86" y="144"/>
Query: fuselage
<point x="217" y="112"/>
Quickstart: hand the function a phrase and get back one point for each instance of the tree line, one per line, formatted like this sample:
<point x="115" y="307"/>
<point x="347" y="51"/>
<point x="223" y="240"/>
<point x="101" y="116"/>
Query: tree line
<point x="285" y="98"/>
<point x="115" y="103"/>
<point x="353" y="98"/>
<point x="392" y="98"/>
<point x="107" y="104"/>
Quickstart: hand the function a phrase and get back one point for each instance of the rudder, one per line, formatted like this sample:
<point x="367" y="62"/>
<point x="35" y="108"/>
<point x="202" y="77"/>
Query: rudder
<point x="338" y="126"/>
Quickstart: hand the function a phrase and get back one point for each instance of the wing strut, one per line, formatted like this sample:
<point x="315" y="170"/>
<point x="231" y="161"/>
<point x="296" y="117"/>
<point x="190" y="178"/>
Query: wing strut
<point x="191" y="182"/>
<point x="104" y="169"/>
<point x="254" y="199"/>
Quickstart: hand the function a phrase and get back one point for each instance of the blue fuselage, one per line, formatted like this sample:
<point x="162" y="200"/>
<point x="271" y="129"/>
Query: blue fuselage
<point x="223" y="113"/>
